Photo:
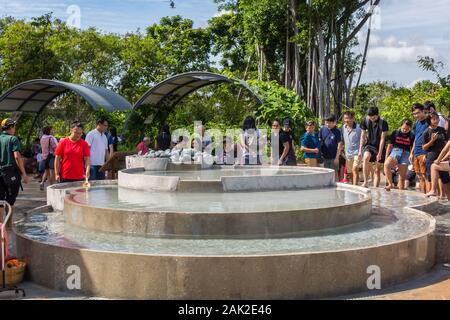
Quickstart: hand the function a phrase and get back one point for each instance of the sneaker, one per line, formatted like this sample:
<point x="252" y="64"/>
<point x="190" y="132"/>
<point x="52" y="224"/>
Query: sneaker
<point x="41" y="186"/>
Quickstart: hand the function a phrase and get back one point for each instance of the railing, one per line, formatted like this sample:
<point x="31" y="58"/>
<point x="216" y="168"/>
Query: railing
<point x="3" y="236"/>
<point x="8" y="211"/>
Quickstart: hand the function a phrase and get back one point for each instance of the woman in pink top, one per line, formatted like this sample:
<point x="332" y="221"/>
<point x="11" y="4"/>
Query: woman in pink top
<point x="48" y="145"/>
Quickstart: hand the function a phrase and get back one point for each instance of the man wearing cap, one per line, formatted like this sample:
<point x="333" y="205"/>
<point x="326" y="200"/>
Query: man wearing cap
<point x="11" y="165"/>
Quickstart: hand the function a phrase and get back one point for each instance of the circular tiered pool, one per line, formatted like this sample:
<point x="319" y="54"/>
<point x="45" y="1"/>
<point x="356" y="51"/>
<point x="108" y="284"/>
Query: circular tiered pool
<point x="225" y="233"/>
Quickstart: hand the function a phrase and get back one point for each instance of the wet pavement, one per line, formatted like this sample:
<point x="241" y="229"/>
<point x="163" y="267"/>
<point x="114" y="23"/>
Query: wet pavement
<point x="433" y="286"/>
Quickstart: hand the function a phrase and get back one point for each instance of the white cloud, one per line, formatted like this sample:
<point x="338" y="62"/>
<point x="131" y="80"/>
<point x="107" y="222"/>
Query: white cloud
<point x="395" y="51"/>
<point x="222" y="12"/>
<point x="390" y="41"/>
<point x="413" y="83"/>
<point x="401" y="54"/>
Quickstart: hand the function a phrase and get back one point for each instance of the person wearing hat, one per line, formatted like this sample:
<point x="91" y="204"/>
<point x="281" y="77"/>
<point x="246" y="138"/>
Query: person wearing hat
<point x="287" y="152"/>
<point x="12" y="168"/>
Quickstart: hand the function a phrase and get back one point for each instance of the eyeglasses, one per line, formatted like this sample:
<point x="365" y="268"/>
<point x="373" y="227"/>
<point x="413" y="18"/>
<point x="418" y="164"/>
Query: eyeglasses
<point x="416" y="113"/>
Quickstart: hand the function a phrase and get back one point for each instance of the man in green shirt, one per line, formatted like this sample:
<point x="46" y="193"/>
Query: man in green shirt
<point x="10" y="157"/>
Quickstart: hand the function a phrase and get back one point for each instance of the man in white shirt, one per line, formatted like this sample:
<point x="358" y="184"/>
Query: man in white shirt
<point x="98" y="142"/>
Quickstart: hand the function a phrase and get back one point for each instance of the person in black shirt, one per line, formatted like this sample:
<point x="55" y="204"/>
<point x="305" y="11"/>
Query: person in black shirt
<point x="373" y="138"/>
<point x="434" y="140"/>
<point x="399" y="149"/>
<point x="228" y="154"/>
<point x="164" y="140"/>
<point x="287" y="152"/>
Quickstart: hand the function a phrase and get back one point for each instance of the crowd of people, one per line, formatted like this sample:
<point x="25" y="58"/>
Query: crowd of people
<point x="71" y="159"/>
<point x="413" y="153"/>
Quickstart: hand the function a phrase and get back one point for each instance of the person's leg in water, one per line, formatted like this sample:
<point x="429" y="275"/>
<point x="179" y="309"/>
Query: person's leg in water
<point x="390" y="163"/>
<point x="366" y="168"/>
<point x="435" y="168"/>
<point x="441" y="189"/>
<point x="355" y="170"/>
<point x="402" y="173"/>
<point x="420" y="168"/>
<point x="377" y="174"/>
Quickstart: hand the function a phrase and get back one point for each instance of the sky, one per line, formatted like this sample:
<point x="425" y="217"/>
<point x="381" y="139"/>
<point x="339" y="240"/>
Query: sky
<point x="402" y="29"/>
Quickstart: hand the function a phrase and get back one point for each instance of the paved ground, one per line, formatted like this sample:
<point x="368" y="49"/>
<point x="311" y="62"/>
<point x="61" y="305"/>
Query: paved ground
<point x="432" y="286"/>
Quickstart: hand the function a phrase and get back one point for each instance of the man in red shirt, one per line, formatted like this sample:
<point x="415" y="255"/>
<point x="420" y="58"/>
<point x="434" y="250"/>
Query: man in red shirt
<point x="72" y="162"/>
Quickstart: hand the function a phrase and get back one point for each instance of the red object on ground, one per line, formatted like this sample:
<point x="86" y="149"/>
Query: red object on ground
<point x="6" y="244"/>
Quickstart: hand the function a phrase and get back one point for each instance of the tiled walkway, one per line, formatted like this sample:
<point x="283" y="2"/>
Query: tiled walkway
<point x="432" y="286"/>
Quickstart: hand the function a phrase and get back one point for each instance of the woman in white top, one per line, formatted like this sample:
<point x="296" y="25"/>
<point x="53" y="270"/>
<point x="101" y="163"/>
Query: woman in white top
<point x="249" y="143"/>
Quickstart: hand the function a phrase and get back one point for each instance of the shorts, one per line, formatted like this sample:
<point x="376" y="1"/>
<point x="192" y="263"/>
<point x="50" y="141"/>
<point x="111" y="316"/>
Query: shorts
<point x="50" y="164"/>
<point x="420" y="166"/>
<point x="329" y="164"/>
<point x="401" y="156"/>
<point x="374" y="153"/>
<point x="9" y="194"/>
<point x="95" y="173"/>
<point x="443" y="175"/>
<point x="311" y="162"/>
<point x="353" y="163"/>
<point x="41" y="166"/>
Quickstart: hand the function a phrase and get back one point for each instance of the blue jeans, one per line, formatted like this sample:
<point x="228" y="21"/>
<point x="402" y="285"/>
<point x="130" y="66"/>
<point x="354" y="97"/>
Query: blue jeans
<point x="95" y="173"/>
<point x="401" y="156"/>
<point x="252" y="160"/>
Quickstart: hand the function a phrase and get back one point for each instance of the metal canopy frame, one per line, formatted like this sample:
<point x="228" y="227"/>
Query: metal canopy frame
<point x="174" y="89"/>
<point x="35" y="95"/>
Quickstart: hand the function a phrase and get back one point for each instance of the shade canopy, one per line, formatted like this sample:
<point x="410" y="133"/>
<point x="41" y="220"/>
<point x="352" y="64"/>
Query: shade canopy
<point x="168" y="93"/>
<point x="174" y="89"/>
<point x="35" y="95"/>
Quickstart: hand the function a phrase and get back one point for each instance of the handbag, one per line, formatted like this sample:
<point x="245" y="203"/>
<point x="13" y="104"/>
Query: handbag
<point x="50" y="155"/>
<point x="10" y="175"/>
